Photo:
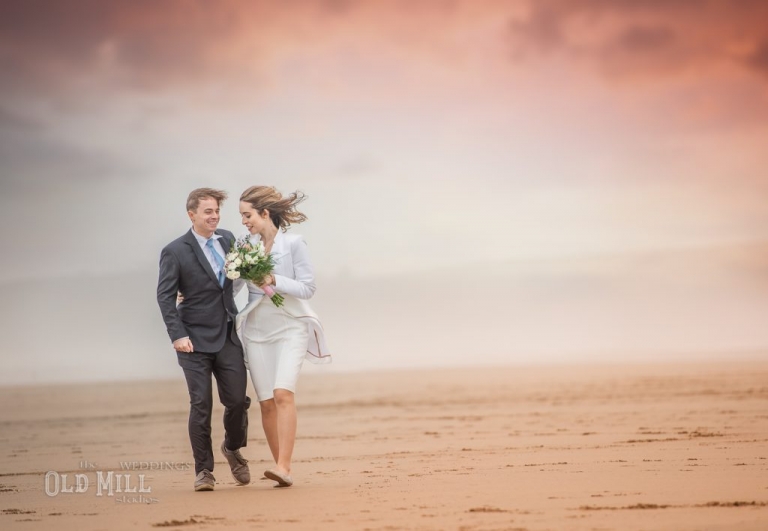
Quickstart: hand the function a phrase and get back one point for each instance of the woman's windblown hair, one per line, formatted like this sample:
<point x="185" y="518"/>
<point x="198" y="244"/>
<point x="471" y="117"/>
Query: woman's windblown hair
<point x="281" y="209"/>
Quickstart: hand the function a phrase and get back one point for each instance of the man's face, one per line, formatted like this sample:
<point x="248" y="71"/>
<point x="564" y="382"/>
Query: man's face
<point x="206" y="218"/>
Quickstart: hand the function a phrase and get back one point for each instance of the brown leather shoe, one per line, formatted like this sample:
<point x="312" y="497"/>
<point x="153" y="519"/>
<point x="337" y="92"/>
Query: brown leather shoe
<point x="238" y="464"/>
<point x="204" y="480"/>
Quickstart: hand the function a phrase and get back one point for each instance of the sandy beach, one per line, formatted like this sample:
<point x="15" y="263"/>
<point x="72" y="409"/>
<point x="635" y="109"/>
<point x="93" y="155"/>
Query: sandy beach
<point x="677" y="447"/>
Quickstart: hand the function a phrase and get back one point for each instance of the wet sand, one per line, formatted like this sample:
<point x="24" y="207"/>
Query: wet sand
<point x="677" y="447"/>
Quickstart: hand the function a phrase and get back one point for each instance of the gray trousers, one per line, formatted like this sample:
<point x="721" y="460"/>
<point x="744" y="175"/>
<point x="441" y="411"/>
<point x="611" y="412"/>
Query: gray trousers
<point x="228" y="367"/>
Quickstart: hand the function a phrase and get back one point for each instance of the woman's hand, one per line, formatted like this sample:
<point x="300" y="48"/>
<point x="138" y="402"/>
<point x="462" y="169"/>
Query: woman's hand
<point x="179" y="298"/>
<point x="269" y="280"/>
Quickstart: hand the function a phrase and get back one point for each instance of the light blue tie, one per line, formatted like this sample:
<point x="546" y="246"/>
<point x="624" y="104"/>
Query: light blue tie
<point x="219" y="260"/>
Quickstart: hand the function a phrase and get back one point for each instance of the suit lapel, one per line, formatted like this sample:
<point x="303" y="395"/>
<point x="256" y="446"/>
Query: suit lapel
<point x="192" y="241"/>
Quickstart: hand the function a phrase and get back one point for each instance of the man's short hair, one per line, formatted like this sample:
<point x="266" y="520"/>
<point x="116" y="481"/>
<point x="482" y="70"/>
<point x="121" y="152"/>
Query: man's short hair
<point x="193" y="200"/>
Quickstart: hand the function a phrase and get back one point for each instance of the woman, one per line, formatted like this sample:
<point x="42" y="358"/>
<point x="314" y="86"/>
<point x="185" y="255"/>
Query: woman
<point x="277" y="340"/>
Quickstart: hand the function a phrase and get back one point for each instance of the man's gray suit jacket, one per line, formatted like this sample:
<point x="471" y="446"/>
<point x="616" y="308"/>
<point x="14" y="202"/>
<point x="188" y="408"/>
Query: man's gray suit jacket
<point x="207" y="306"/>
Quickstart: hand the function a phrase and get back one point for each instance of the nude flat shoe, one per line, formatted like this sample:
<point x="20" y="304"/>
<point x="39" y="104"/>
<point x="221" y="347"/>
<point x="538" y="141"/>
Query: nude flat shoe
<point x="283" y="480"/>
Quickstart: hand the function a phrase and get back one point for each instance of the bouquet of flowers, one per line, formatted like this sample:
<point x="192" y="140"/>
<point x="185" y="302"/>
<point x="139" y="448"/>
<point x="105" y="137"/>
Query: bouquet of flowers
<point x="250" y="261"/>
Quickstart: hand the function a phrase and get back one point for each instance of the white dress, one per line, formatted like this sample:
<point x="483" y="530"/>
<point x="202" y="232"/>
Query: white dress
<point x="277" y="340"/>
<point x="276" y="346"/>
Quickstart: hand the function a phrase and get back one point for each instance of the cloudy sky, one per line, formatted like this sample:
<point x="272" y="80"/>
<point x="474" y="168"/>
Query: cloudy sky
<point x="489" y="182"/>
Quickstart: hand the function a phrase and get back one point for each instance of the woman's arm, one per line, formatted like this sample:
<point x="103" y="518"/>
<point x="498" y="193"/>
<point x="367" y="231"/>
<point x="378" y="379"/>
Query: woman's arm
<point x="303" y="286"/>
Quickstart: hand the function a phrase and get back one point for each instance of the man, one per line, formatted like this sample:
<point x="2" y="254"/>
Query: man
<point x="203" y="335"/>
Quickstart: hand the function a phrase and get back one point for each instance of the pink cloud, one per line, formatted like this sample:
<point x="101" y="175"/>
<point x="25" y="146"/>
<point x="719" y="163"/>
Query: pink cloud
<point x="178" y="42"/>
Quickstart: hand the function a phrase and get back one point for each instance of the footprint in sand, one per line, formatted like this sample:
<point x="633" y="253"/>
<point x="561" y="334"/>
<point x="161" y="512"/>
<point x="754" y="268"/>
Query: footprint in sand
<point x="177" y="523"/>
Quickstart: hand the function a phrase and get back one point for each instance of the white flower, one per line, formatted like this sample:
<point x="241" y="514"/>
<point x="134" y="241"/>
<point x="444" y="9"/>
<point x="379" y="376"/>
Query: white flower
<point x="231" y="266"/>
<point x="231" y="256"/>
<point x="238" y="262"/>
<point x="232" y="275"/>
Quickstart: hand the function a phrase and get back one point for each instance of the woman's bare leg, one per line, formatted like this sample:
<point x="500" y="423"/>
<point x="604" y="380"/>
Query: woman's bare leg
<point x="269" y="422"/>
<point x="286" y="428"/>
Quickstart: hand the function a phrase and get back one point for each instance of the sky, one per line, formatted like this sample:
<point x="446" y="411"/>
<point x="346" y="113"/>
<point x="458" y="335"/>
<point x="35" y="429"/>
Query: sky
<point x="488" y="182"/>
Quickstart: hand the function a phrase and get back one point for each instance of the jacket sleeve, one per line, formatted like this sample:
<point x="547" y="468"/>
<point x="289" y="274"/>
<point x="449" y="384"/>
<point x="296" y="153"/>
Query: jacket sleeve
<point x="237" y="286"/>
<point x="302" y="286"/>
<point x="167" y="288"/>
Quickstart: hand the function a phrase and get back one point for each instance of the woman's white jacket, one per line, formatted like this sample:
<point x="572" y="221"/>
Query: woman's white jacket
<point x="294" y="277"/>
